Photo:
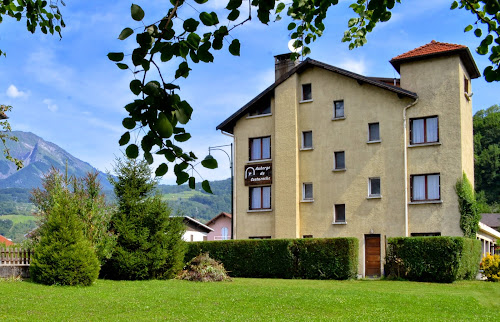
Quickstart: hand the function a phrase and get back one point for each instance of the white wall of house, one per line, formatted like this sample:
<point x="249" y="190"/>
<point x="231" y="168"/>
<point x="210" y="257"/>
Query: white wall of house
<point x="190" y="236"/>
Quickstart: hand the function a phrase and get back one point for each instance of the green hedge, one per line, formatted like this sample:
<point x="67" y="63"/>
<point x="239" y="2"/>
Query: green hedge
<point x="326" y="258"/>
<point x="433" y="259"/>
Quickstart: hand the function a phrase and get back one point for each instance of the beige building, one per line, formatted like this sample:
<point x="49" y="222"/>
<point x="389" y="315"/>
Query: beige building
<point x="324" y="152"/>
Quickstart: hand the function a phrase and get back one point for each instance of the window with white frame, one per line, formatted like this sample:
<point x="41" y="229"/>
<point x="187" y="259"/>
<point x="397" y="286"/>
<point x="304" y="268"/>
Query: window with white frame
<point x="307" y="140"/>
<point x="373" y="132"/>
<point x="424" y="130"/>
<point x="339" y="213"/>
<point x="307" y="191"/>
<point x="306" y="92"/>
<point x="338" y="109"/>
<point x="374" y="187"/>
<point x="260" y="198"/>
<point x="339" y="160"/>
<point x="260" y="148"/>
<point x="224" y="233"/>
<point x="425" y="187"/>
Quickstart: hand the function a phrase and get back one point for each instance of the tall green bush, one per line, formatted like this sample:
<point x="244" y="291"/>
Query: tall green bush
<point x="469" y="215"/>
<point x="433" y="259"/>
<point x="149" y="243"/>
<point x="63" y="255"/>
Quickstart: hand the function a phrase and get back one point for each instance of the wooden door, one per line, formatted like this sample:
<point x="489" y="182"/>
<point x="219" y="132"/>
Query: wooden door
<point x="372" y="255"/>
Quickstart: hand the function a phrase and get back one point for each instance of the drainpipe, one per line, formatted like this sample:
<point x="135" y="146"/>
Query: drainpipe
<point x="232" y="183"/>
<point x="405" y="149"/>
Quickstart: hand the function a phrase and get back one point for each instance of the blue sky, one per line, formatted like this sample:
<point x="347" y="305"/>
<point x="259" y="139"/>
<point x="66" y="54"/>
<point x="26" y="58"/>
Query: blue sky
<point x="68" y="92"/>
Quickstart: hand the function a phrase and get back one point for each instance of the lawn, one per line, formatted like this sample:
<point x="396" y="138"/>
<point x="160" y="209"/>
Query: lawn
<point x="18" y="218"/>
<point x="252" y="300"/>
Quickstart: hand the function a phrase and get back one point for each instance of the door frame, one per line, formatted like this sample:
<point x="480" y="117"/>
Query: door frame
<point x="365" y="256"/>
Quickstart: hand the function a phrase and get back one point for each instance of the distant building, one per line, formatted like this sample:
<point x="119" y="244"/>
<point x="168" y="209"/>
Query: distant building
<point x="492" y="220"/>
<point x="221" y="225"/>
<point x="5" y="241"/>
<point x="325" y="152"/>
<point x="195" y="230"/>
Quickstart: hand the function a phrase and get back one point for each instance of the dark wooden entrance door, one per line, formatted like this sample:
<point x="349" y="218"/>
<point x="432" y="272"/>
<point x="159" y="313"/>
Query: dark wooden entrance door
<point x="372" y="255"/>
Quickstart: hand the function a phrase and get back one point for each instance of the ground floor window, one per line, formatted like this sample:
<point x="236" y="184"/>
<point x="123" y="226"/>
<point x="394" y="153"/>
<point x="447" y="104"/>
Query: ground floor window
<point x="425" y="234"/>
<point x="260" y="198"/>
<point x="259" y="237"/>
<point x="339" y="214"/>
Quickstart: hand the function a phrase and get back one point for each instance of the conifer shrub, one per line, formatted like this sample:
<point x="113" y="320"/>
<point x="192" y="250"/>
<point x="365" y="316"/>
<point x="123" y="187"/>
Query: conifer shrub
<point x="203" y="268"/>
<point x="63" y="256"/>
<point x="433" y="259"/>
<point x="491" y="267"/>
<point x="149" y="243"/>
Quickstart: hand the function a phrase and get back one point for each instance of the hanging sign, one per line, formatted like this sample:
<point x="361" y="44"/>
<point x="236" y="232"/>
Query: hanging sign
<point x="258" y="174"/>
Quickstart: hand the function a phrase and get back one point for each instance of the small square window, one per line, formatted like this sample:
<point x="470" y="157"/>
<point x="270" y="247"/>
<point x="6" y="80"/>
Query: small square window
<point x="373" y="132"/>
<point x="339" y="160"/>
<point x="307" y="140"/>
<point x="338" y="109"/>
<point x="306" y="92"/>
<point x="374" y="187"/>
<point x="307" y="191"/>
<point x="339" y="215"/>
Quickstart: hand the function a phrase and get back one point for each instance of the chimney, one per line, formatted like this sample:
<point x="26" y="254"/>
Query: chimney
<point x="283" y="64"/>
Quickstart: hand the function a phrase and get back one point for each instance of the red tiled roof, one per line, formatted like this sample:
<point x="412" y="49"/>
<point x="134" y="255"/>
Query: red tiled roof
<point x="436" y="49"/>
<point x="5" y="241"/>
<point x="222" y="214"/>
<point x="431" y="48"/>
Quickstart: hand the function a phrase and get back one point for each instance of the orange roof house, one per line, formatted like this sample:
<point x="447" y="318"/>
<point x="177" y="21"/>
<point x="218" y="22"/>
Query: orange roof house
<point x="6" y="241"/>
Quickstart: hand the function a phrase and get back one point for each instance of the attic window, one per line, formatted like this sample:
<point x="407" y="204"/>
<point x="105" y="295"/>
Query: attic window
<point x="264" y="108"/>
<point x="466" y="85"/>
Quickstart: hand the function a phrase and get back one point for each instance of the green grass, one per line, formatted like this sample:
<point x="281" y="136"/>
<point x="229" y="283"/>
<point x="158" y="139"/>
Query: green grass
<point x="181" y="195"/>
<point x="252" y="300"/>
<point x="18" y="218"/>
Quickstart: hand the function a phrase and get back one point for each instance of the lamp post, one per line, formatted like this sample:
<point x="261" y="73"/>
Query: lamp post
<point x="230" y="157"/>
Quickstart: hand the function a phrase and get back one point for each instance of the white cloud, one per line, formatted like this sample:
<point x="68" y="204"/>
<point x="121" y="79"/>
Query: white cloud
<point x="50" y="105"/>
<point x="13" y="92"/>
<point x="355" y="66"/>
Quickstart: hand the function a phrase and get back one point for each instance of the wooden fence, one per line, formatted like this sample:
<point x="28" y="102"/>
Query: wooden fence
<point x="15" y="257"/>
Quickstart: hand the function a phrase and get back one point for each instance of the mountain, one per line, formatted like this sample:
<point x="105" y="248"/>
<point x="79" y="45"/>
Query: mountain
<point x="38" y="157"/>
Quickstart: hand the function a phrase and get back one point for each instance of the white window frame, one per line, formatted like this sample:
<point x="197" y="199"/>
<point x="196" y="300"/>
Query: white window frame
<point x="335" y="116"/>
<point x="374" y="195"/>
<point x="303" y="147"/>
<point x="426" y="188"/>
<point x="335" y="168"/>
<point x="425" y="140"/>
<point x="335" y="221"/>
<point x="369" y="132"/>
<point x="303" y="99"/>
<point x="304" y="198"/>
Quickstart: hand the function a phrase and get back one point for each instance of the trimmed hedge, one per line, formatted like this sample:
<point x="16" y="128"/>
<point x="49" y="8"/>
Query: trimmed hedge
<point x="315" y="258"/>
<point x="433" y="259"/>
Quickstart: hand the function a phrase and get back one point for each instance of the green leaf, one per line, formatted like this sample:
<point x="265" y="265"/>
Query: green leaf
<point x="125" y="138"/>
<point x="182" y="137"/>
<point x="183" y="70"/>
<point x="125" y="33"/>
<point x="206" y="186"/>
<point x="233" y="4"/>
<point x="192" y="182"/>
<point x="200" y="1"/>
<point x="128" y="123"/>
<point x="209" y="19"/>
<point x="454" y="5"/>
<point x="151" y="88"/>
<point x="132" y="151"/>
<point x="280" y="7"/>
<point x="209" y="162"/>
<point x="181" y="177"/>
<point x="234" y="48"/>
<point x="136" y="86"/>
<point x="136" y="12"/>
<point x="122" y="66"/>
<point x="163" y="126"/>
<point x="148" y="157"/>
<point x="233" y="15"/>
<point x="190" y="25"/>
<point x="478" y="32"/>
<point x="161" y="170"/>
<point x="193" y="40"/>
<point x="468" y="28"/>
<point x="116" y="56"/>
<point x="292" y="25"/>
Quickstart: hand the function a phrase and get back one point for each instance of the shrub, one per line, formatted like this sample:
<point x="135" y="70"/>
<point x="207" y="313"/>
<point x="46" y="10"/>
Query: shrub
<point x="63" y="255"/>
<point x="326" y="258"/>
<point x="432" y="259"/>
<point x="469" y="215"/>
<point x="149" y="243"/>
<point x="329" y="258"/>
<point x="202" y="268"/>
<point x="491" y="267"/>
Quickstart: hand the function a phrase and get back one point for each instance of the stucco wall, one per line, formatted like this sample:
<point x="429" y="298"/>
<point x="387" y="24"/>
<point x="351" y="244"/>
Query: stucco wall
<point x="217" y="227"/>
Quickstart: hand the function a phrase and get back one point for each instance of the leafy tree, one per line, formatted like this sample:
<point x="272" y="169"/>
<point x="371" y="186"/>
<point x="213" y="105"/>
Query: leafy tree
<point x="469" y="215"/>
<point x="487" y="153"/>
<point x="63" y="255"/>
<point x="88" y="203"/>
<point x="149" y="243"/>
